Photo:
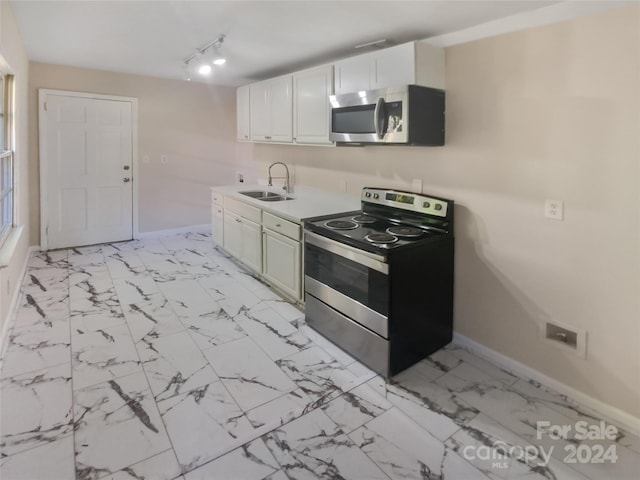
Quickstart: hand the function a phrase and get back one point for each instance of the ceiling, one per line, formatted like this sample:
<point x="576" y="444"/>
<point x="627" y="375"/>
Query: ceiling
<point x="263" y="38"/>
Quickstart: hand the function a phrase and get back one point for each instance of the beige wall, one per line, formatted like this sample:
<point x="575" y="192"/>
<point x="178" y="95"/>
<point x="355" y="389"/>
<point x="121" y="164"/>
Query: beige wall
<point x="546" y="113"/>
<point x="13" y="56"/>
<point x="192" y="124"/>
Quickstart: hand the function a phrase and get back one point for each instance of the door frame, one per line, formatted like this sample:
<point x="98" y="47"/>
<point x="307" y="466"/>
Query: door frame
<point x="42" y="126"/>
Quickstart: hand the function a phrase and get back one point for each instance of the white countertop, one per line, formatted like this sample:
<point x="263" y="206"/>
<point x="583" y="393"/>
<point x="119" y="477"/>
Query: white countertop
<point x="307" y="202"/>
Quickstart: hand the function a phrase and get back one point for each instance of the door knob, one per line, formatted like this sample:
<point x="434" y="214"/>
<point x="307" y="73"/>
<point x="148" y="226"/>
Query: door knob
<point x="126" y="179"/>
<point x="126" y="167"/>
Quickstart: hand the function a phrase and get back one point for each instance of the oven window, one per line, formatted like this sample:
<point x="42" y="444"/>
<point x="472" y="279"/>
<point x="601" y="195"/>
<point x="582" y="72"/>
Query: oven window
<point x="358" y="282"/>
<point x="357" y="119"/>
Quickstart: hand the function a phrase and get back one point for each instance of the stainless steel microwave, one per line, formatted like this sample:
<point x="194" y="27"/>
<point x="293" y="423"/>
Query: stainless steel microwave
<point x="411" y="115"/>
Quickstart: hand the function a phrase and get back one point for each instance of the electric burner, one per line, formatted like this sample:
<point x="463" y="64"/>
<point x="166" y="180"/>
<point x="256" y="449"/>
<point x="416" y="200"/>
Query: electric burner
<point x="382" y="238"/>
<point x="405" y="231"/>
<point x="341" y="224"/>
<point x="364" y="219"/>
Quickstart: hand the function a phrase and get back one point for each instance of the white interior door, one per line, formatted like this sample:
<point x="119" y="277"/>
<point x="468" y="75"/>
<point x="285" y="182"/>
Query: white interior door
<point x="86" y="156"/>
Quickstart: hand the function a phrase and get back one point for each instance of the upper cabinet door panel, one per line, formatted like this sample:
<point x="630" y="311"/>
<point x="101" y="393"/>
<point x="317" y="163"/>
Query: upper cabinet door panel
<point x="311" y="105"/>
<point x="353" y="74"/>
<point x="281" y="90"/>
<point x="260" y="111"/>
<point x="394" y="67"/>
<point x="243" y="113"/>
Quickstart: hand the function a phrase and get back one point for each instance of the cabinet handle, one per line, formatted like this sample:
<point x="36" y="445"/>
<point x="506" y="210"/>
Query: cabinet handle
<point x="278" y="225"/>
<point x="238" y="220"/>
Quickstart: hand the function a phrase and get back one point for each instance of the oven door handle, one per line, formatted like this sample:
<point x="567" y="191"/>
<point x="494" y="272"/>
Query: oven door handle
<point x="362" y="257"/>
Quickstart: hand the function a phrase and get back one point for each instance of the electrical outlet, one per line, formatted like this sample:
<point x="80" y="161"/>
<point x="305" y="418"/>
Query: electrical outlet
<point x="554" y="209"/>
<point x="567" y="337"/>
<point x="164" y="159"/>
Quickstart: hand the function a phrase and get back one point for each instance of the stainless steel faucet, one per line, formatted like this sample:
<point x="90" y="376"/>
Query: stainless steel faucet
<point x="287" y="180"/>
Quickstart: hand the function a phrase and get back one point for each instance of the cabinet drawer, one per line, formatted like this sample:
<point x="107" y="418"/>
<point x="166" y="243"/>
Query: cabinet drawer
<point x="284" y="227"/>
<point x="216" y="198"/>
<point x="242" y="209"/>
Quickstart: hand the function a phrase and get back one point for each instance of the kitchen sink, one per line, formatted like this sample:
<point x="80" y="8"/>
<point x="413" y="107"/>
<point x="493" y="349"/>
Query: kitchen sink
<point x="265" y="196"/>
<point x="260" y="193"/>
<point x="274" y="199"/>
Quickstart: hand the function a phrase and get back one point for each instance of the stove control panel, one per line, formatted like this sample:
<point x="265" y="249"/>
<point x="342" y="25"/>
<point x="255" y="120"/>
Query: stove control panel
<point x="406" y="201"/>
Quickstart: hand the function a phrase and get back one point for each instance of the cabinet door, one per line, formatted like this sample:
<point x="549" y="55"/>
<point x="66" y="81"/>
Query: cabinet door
<point x="252" y="245"/>
<point x="243" y="112"/>
<point x="232" y="234"/>
<point x="281" y="119"/>
<point x="394" y="67"/>
<point x="353" y="74"/>
<point x="311" y="90"/>
<point x="217" y="224"/>
<point x="260" y="111"/>
<point x="281" y="263"/>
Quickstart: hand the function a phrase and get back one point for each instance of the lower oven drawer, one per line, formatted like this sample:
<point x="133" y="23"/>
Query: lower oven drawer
<point x="365" y="316"/>
<point x="356" y="340"/>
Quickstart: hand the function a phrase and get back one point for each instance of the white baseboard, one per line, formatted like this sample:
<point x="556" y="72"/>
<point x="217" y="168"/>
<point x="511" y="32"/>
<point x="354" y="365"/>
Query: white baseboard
<point x="11" y="311"/>
<point x="205" y="228"/>
<point x="608" y="412"/>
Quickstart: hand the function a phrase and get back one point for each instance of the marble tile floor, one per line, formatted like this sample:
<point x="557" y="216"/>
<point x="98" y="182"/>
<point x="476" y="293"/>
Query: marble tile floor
<point x="162" y="359"/>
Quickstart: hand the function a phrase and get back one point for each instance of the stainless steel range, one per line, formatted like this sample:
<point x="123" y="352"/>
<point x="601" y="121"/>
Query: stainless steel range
<point x="379" y="281"/>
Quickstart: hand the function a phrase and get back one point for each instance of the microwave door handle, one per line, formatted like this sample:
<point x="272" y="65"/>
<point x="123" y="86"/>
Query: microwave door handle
<point x="380" y="117"/>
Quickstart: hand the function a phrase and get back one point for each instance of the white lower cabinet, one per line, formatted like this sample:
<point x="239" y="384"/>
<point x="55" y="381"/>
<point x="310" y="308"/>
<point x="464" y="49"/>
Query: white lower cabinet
<point x="217" y="218"/>
<point x="252" y="244"/>
<point x="266" y="243"/>
<point x="281" y="262"/>
<point x="232" y="234"/>
<point x="217" y="224"/>
<point x="242" y="239"/>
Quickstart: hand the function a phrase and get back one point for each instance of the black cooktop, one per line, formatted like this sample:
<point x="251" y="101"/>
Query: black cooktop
<point x="389" y="220"/>
<point x="376" y="235"/>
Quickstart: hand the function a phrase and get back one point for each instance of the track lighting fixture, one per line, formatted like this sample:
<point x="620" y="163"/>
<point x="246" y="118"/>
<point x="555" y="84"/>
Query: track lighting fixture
<point x="203" y="58"/>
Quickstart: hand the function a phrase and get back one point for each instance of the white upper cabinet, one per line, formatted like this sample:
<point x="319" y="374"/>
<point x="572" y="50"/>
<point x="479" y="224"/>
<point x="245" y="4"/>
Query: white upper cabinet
<point x="244" y="113"/>
<point x="281" y="109"/>
<point x="413" y="63"/>
<point x="295" y="108"/>
<point x="271" y="110"/>
<point x="260" y="111"/>
<point x="353" y="74"/>
<point x="311" y="108"/>
<point x="394" y="67"/>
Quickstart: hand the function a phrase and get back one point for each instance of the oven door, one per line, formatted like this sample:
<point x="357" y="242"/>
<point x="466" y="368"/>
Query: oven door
<point x="352" y="281"/>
